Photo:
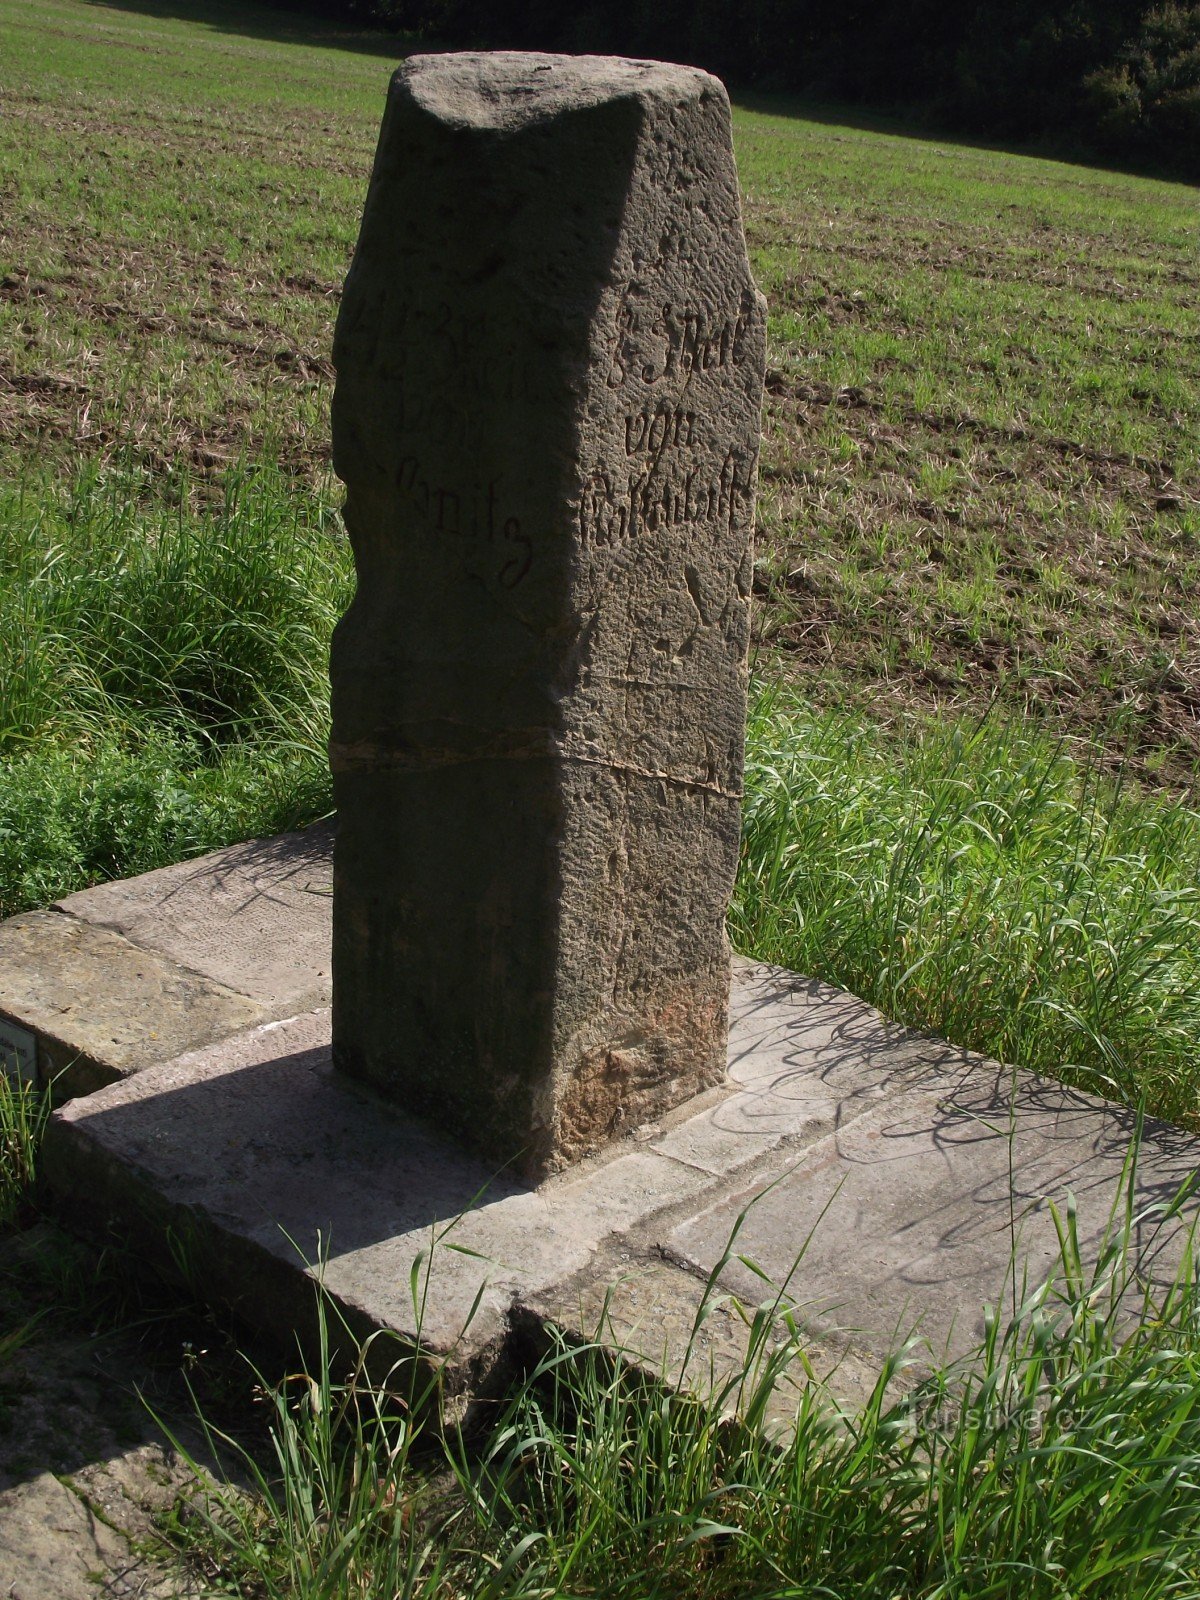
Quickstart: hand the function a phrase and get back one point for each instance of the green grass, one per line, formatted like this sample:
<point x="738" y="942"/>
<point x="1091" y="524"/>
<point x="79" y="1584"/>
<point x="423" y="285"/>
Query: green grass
<point x="23" y="1113"/>
<point x="162" y="673"/>
<point x="980" y="477"/>
<point x="979" y="550"/>
<point x="1058" y="1459"/>
<point x="119" y="612"/>
<point x="980" y="473"/>
<point x="979" y="882"/>
<point x="978" y="492"/>
<point x="171" y="296"/>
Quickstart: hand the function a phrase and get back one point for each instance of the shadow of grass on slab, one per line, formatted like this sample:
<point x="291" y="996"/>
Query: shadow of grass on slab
<point x="982" y="884"/>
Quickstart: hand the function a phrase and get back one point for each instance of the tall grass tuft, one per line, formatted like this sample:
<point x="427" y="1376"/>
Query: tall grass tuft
<point x="23" y="1113"/>
<point x="1058" y="1459"/>
<point x="163" y="673"/>
<point x="984" y="885"/>
<point x="119" y="611"/>
<point x="339" y="1507"/>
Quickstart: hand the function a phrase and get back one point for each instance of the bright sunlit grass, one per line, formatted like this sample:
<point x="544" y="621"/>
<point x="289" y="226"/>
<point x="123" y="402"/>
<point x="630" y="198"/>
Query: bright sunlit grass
<point x="163" y="674"/>
<point x="985" y="884"/>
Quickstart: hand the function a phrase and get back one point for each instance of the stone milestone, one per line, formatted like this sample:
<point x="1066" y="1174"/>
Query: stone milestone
<point x="550" y="359"/>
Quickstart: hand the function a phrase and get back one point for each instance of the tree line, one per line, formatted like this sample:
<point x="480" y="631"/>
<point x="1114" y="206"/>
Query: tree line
<point x="1112" y="78"/>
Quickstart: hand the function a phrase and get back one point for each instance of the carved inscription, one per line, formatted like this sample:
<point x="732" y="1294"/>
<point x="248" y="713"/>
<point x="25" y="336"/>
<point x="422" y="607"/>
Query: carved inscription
<point x="462" y="351"/>
<point x="673" y="341"/>
<point x="659" y="430"/>
<point x="446" y="368"/>
<point x="656" y="346"/>
<point x="472" y="514"/>
<point x="664" y="347"/>
<point x="610" y="517"/>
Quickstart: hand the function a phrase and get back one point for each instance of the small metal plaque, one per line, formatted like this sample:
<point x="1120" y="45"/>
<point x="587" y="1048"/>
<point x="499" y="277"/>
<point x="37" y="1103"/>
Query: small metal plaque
<point x="18" y="1052"/>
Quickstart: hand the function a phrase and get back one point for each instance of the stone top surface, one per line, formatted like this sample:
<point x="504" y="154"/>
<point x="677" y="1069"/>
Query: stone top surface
<point x="510" y="89"/>
<point x="883" y="1181"/>
<point x="253" y="917"/>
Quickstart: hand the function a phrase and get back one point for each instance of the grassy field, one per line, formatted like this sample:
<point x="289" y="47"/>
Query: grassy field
<point x="179" y="206"/>
<point x="980" y="479"/>
<point x="979" y="506"/>
<point x="972" y="762"/>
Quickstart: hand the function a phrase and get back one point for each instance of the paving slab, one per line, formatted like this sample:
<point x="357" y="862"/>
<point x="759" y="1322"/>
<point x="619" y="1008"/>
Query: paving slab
<point x="669" y="1323"/>
<point x="880" y="1158"/>
<point x="254" y="917"/>
<point x="938" y="1202"/>
<point x="91" y="1007"/>
<point x="52" y="1544"/>
<point x="255" y="1167"/>
<point x="133" y="973"/>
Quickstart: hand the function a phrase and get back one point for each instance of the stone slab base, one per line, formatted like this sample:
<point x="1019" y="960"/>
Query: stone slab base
<point x="253" y="917"/>
<point x="95" y="1007"/>
<point x="128" y="974"/>
<point x="867" y="1171"/>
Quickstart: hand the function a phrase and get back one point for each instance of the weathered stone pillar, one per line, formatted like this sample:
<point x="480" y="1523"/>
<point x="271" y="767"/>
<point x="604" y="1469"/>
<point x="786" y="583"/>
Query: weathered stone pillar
<point x="550" y="365"/>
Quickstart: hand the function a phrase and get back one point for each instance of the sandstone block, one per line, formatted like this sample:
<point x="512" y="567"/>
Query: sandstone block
<point x="95" y="1007"/>
<point x="550" y="362"/>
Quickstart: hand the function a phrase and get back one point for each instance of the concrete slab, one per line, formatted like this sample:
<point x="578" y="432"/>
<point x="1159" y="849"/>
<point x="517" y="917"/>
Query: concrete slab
<point x="53" y="1545"/>
<point x="251" y="1166"/>
<point x="936" y="1203"/>
<point x="255" y="917"/>
<point x="255" y="1169"/>
<point x="100" y="1007"/>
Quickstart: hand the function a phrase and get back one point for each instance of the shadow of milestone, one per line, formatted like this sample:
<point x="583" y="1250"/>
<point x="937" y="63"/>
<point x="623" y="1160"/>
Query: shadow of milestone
<point x="914" y="1180"/>
<point x="249" y="1139"/>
